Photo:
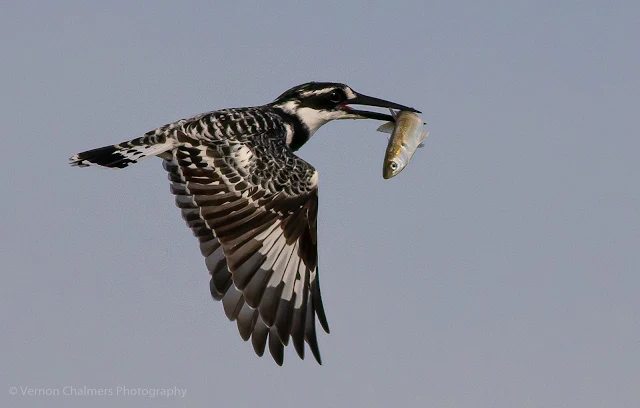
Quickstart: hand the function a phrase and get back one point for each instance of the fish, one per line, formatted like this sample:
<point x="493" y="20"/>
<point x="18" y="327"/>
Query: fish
<point x="407" y="134"/>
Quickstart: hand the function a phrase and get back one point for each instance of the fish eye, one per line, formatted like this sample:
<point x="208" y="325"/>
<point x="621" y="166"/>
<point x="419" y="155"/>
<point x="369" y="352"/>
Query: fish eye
<point x="394" y="166"/>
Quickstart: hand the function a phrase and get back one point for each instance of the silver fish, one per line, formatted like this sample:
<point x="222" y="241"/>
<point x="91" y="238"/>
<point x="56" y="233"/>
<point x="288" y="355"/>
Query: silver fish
<point x="407" y="135"/>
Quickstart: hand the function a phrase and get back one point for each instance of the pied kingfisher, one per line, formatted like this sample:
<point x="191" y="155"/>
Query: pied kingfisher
<point x="253" y="204"/>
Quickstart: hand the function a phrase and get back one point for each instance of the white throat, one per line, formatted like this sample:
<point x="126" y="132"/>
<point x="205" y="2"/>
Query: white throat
<point x="313" y="119"/>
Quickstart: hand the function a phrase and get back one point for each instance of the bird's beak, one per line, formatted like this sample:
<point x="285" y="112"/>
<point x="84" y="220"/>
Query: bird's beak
<point x="371" y="101"/>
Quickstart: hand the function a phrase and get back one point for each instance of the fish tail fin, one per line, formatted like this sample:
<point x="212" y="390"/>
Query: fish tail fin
<point x="424" y="136"/>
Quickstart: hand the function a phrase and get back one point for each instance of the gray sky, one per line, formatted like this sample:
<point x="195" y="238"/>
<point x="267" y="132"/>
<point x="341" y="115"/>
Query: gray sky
<point x="500" y="269"/>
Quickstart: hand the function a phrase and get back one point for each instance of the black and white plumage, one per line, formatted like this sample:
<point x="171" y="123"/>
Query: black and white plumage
<point x="252" y="203"/>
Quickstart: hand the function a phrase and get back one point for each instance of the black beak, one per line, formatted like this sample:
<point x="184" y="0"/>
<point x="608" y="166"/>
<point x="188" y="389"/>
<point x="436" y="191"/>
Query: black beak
<point x="371" y="101"/>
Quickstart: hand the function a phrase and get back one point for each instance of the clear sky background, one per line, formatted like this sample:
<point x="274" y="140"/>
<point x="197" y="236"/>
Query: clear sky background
<point x="500" y="269"/>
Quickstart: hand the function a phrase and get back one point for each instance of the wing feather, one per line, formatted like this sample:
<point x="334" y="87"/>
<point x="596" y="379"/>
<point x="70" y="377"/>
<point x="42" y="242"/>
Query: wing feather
<point x="232" y="302"/>
<point x="276" y="348"/>
<point x="246" y="321"/>
<point x="299" y="314"/>
<point x="259" y="336"/>
<point x="255" y="216"/>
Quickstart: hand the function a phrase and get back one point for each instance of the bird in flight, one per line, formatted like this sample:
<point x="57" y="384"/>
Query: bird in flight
<point x="253" y="204"/>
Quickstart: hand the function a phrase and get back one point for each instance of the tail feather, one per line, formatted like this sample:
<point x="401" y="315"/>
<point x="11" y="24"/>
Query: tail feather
<point x="121" y="155"/>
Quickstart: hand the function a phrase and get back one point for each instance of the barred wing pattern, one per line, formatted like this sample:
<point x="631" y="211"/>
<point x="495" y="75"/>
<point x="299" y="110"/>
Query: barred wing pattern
<point x="255" y="217"/>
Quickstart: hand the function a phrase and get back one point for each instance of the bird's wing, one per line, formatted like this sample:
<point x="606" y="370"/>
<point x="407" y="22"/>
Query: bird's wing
<point x="255" y="217"/>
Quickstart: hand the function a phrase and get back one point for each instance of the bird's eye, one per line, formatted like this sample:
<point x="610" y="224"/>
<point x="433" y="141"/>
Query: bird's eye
<point x="335" y="96"/>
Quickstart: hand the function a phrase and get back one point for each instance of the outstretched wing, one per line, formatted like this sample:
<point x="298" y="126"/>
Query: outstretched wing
<point x="255" y="217"/>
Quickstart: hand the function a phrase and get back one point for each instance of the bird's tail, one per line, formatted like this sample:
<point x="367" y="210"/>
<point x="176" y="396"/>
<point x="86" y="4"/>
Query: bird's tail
<point x="123" y="154"/>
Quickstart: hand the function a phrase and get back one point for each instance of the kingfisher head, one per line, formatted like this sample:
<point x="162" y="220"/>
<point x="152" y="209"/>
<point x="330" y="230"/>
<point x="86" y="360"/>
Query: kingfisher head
<point x="316" y="103"/>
